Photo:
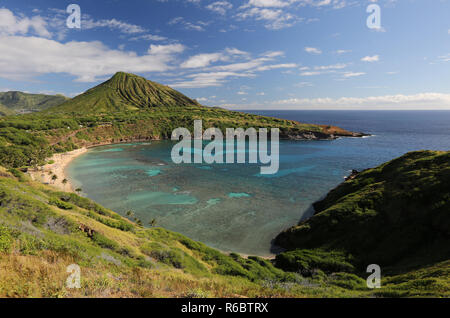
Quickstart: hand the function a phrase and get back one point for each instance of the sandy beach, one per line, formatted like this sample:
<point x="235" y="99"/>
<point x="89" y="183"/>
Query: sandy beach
<point x="57" y="167"/>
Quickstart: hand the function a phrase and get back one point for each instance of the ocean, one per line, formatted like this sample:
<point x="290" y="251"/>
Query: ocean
<point x="233" y="207"/>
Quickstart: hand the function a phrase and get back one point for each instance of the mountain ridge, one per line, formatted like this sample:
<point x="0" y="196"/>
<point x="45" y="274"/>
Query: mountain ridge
<point x="128" y="107"/>
<point x="125" y="92"/>
<point x="20" y="102"/>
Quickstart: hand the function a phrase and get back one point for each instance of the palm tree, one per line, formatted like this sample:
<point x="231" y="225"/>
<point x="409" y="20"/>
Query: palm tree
<point x="54" y="177"/>
<point x="64" y="182"/>
<point x="78" y="190"/>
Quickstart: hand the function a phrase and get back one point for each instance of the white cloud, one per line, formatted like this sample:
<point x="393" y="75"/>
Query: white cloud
<point x="12" y="25"/>
<point x="272" y="54"/>
<point x="279" y="14"/>
<point x="114" y="25"/>
<point x="352" y="74"/>
<point x="220" y="7"/>
<point x="444" y="58"/>
<point x="371" y="59"/>
<point x="217" y="75"/>
<point x="313" y="50"/>
<point x="310" y="73"/>
<point x="148" y="37"/>
<point x="322" y="69"/>
<point x="57" y="22"/>
<point x="343" y="51"/>
<point x="274" y="19"/>
<point x="198" y="26"/>
<point x="268" y="3"/>
<point x="163" y="50"/>
<point x="338" y="66"/>
<point x="27" y="57"/>
<point x="206" y="59"/>
<point x="303" y="84"/>
<point x="234" y="51"/>
<point x="335" y="4"/>
<point x="202" y="60"/>
<point x="276" y="66"/>
<point x="399" y="101"/>
<point x="208" y="79"/>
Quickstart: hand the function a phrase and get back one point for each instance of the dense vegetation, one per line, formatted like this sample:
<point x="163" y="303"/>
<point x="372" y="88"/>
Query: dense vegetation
<point x="42" y="231"/>
<point x="125" y="108"/>
<point x="125" y="92"/>
<point x="16" y="102"/>
<point x="396" y="215"/>
<point x="5" y="111"/>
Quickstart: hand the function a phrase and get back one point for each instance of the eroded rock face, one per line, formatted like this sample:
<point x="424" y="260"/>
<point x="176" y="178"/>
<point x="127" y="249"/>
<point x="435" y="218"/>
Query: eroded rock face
<point x="352" y="175"/>
<point x="315" y="135"/>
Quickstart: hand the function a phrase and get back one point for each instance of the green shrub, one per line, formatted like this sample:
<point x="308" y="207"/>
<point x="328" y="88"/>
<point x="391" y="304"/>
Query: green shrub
<point x="6" y="239"/>
<point x="18" y="174"/>
<point x="306" y="262"/>
<point x="104" y="242"/>
<point x="173" y="256"/>
<point x="60" y="204"/>
<point x="30" y="245"/>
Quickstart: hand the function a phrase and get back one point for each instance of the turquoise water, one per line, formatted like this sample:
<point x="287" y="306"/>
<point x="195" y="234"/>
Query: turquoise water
<point x="233" y="207"/>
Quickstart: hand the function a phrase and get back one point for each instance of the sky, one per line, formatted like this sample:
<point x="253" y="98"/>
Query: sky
<point x="251" y="54"/>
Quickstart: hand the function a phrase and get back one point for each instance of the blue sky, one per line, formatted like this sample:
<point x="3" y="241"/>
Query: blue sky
<point x="252" y="54"/>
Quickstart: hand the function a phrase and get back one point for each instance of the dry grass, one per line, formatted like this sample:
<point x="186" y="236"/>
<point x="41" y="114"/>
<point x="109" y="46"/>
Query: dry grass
<point x="45" y="276"/>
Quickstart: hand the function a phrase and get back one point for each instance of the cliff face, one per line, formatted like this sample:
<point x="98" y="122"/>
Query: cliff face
<point x="396" y="215"/>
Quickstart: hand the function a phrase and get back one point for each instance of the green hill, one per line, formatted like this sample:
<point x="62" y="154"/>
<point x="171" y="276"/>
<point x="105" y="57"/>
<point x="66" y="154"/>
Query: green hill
<point x="396" y="215"/>
<point x="128" y="108"/>
<point x="18" y="102"/>
<point x="5" y="111"/>
<point x="42" y="231"/>
<point x="125" y="92"/>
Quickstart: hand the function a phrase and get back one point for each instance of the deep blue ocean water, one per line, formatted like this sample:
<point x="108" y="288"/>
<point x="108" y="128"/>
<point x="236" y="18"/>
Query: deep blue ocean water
<point x="232" y="206"/>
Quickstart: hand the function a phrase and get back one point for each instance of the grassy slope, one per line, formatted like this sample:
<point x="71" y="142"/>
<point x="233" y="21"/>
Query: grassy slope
<point x="5" y="111"/>
<point x="42" y="231"/>
<point x="16" y="101"/>
<point x="396" y="215"/>
<point x="125" y="92"/>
